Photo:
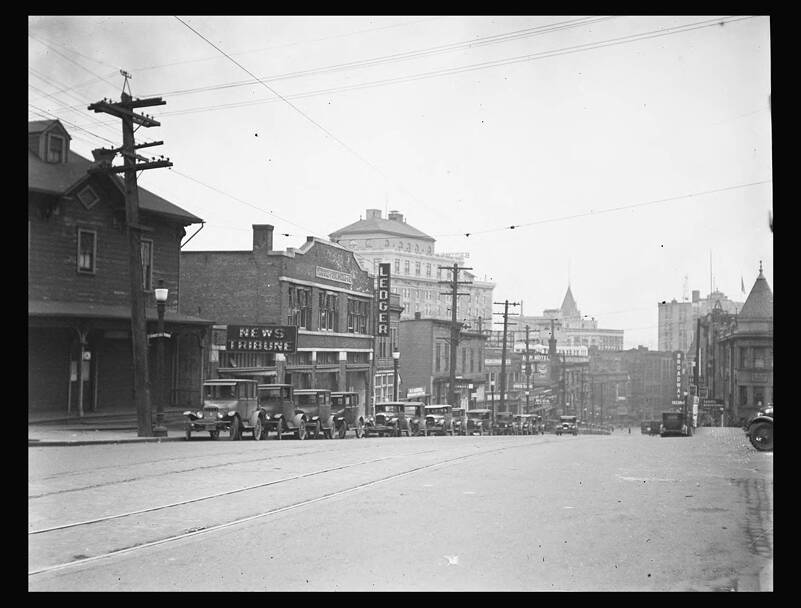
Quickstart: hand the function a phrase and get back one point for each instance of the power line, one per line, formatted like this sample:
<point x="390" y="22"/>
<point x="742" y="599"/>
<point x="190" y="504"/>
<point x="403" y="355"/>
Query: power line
<point x="299" y="111"/>
<point x="404" y="56"/>
<point x="478" y="66"/>
<point x="602" y="211"/>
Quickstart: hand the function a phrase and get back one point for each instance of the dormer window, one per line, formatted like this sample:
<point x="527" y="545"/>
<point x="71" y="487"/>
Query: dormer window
<point x="56" y="148"/>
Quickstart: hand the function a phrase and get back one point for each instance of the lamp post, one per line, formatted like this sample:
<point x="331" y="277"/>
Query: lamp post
<point x="161" y="294"/>
<point x="395" y="361"/>
<point x="528" y="410"/>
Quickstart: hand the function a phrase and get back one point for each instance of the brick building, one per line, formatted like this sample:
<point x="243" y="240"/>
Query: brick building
<point x="318" y="288"/>
<point x="425" y="361"/>
<point x="79" y="305"/>
<point x="652" y="382"/>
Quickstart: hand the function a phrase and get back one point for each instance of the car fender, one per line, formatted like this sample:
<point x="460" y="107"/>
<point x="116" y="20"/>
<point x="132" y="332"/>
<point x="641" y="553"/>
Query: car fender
<point x="758" y="419"/>
<point x="299" y="419"/>
<point x="330" y="423"/>
<point x="254" y="417"/>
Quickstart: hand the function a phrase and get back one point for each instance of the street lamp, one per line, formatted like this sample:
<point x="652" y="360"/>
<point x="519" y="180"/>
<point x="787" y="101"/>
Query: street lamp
<point x="395" y="361"/>
<point x="161" y="294"/>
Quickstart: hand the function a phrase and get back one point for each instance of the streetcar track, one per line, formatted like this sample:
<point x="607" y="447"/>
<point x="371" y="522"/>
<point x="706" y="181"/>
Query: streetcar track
<point x="216" y="464"/>
<point x="217" y="495"/>
<point x="215" y="528"/>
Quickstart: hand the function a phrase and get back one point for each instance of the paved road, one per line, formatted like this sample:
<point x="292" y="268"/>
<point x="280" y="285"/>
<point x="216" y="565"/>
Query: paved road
<point x="607" y="513"/>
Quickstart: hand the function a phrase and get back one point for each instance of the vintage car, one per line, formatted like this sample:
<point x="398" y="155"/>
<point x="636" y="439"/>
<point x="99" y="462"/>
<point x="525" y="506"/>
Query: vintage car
<point x="228" y="404"/>
<point x="759" y="429"/>
<point x="654" y="427"/>
<point x="459" y="417"/>
<point x="280" y="415"/>
<point x="416" y="414"/>
<point x="674" y="424"/>
<point x="389" y="420"/>
<point x="504" y="424"/>
<point x="347" y="414"/>
<point x="315" y="403"/>
<point x="439" y="420"/>
<point x="567" y="425"/>
<point x="479" y="422"/>
<point x="524" y="424"/>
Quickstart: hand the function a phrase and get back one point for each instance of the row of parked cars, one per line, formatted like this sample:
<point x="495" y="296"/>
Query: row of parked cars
<point x="245" y="407"/>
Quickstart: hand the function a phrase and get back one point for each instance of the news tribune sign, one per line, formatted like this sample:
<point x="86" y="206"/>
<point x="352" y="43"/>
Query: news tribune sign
<point x="382" y="324"/>
<point x="262" y="338"/>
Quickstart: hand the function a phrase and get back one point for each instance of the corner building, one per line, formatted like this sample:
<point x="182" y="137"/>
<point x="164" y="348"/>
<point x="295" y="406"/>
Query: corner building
<point x="318" y="288"/>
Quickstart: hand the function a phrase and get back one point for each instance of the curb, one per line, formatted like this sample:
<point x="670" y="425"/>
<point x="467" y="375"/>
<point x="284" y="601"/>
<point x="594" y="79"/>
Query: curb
<point x="79" y="442"/>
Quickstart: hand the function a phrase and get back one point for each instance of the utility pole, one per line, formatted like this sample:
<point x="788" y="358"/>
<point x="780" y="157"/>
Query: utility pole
<point x="528" y="372"/>
<point x="505" y="313"/>
<point x="124" y="111"/>
<point x="454" y="292"/>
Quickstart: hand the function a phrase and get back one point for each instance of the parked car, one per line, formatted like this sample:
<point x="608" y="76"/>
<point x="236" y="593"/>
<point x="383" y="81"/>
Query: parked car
<point x="389" y="420"/>
<point x="315" y="403"/>
<point x="233" y="402"/>
<point x="222" y="400"/>
<point x="439" y="420"/>
<point x="674" y="424"/>
<point x="525" y="424"/>
<point x="759" y="429"/>
<point x="504" y="424"/>
<point x="416" y="414"/>
<point x="459" y="417"/>
<point x="479" y="422"/>
<point x="347" y="414"/>
<point x="278" y="407"/>
<point x="654" y="427"/>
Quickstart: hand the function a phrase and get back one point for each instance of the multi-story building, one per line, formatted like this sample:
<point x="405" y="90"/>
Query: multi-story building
<point x="416" y="268"/>
<point x="79" y="289"/>
<point x="384" y="377"/>
<point x="742" y="368"/>
<point x="652" y="382"/>
<point x="610" y="388"/>
<point x="425" y="349"/>
<point x="569" y="326"/>
<point x="319" y="288"/>
<point x="677" y="320"/>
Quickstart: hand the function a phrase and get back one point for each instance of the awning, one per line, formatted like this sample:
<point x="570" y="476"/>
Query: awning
<point x="87" y="310"/>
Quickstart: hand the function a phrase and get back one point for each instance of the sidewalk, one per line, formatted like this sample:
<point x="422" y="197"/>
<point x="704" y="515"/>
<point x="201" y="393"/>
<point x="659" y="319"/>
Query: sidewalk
<point x="98" y="429"/>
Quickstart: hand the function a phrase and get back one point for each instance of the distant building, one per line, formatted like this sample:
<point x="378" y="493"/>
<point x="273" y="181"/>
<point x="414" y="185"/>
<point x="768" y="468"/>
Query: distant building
<point x="652" y="382"/>
<point x="677" y="320"/>
<point x="416" y="268"/>
<point x="426" y="358"/>
<point x="570" y="328"/>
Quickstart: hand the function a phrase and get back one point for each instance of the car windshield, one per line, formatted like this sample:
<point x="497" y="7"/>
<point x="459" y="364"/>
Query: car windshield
<point x="220" y="391"/>
<point x="389" y="409"/>
<point x="437" y="411"/>
<point x="273" y="395"/>
<point x="478" y="415"/>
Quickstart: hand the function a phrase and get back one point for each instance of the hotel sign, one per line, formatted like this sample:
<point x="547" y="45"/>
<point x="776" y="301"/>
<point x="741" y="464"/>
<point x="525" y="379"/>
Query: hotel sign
<point x="333" y="275"/>
<point x="382" y="324"/>
<point x="262" y="338"/>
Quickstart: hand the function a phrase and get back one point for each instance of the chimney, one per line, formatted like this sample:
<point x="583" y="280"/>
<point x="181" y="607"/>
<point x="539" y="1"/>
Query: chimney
<point x="696" y="295"/>
<point x="373" y="214"/>
<point x="262" y="237"/>
<point x="395" y="216"/>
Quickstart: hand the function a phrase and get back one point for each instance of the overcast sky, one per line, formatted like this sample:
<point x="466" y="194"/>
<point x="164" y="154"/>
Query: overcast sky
<point x="627" y="152"/>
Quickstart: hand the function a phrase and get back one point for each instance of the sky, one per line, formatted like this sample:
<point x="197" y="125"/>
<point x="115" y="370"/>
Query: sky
<point x="628" y="157"/>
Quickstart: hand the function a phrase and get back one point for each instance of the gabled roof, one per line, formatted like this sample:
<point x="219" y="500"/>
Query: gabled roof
<point x="59" y="178"/>
<point x="569" y="308"/>
<point x="381" y="225"/>
<point x="759" y="304"/>
<point x="38" y="126"/>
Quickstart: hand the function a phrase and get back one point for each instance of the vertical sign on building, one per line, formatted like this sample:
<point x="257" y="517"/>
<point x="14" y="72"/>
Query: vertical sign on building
<point x="382" y="326"/>
<point x="678" y="361"/>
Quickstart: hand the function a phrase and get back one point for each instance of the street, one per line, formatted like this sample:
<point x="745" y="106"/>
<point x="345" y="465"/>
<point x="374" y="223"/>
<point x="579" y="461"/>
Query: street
<point x="619" y="512"/>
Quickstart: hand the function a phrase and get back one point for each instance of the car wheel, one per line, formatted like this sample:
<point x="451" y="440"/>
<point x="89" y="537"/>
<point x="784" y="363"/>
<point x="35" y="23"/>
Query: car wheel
<point x="234" y="431"/>
<point x="359" y="429"/>
<point x="318" y="429"/>
<point x="301" y="432"/>
<point x="258" y="430"/>
<point x="761" y="436"/>
<point x="343" y="430"/>
<point x="188" y="434"/>
<point x="213" y="434"/>
<point x="278" y="430"/>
